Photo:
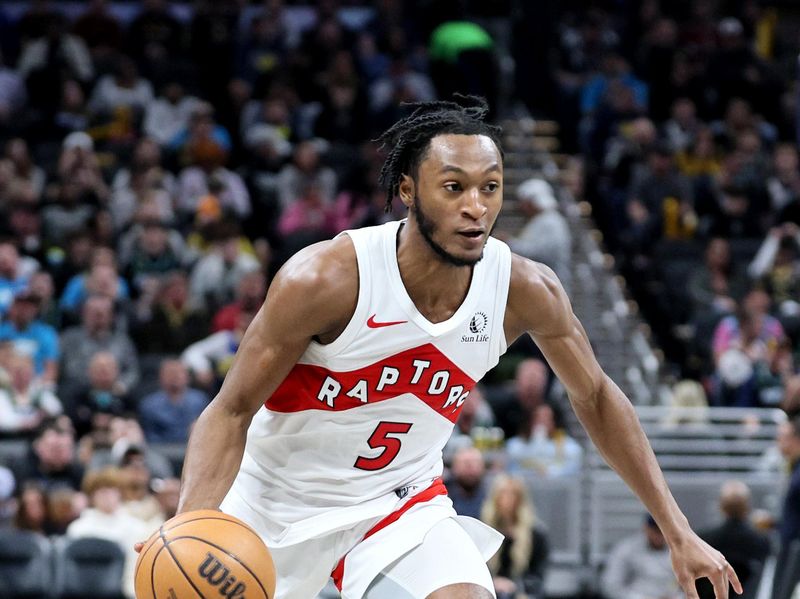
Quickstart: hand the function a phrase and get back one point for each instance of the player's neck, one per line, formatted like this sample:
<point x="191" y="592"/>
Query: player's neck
<point x="436" y="287"/>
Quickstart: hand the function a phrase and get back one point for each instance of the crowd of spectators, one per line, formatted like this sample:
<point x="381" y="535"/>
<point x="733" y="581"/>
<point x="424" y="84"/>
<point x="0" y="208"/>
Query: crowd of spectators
<point x="686" y="120"/>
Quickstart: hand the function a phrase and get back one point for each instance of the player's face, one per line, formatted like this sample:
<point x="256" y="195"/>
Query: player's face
<point x="457" y="197"/>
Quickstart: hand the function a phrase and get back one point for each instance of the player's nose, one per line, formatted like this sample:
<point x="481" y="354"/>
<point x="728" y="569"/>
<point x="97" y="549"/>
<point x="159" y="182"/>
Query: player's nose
<point x="473" y="206"/>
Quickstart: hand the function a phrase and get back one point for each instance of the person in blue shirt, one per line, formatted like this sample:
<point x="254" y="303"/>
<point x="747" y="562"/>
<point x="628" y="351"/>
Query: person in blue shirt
<point x="167" y="415"/>
<point x="30" y="336"/>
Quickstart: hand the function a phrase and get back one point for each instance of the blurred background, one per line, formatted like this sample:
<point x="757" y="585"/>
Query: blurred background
<point x="159" y="161"/>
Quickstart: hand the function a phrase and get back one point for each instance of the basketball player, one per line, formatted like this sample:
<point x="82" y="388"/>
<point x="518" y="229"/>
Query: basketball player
<point x="326" y="436"/>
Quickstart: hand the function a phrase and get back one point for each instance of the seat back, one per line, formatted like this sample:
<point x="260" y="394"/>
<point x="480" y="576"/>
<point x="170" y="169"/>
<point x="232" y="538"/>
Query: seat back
<point x="24" y="565"/>
<point x="88" y="567"/>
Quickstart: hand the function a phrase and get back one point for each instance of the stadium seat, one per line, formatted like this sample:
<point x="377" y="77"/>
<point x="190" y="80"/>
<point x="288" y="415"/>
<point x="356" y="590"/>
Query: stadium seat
<point x="25" y="565"/>
<point x="88" y="568"/>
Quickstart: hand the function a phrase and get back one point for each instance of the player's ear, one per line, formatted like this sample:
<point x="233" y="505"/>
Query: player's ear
<point x="407" y="190"/>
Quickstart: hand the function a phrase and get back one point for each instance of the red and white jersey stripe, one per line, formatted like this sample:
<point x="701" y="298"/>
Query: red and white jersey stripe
<point x="360" y="419"/>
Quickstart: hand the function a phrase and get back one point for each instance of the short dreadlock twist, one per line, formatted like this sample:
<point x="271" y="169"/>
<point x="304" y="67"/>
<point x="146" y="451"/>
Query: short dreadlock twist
<point x="408" y="139"/>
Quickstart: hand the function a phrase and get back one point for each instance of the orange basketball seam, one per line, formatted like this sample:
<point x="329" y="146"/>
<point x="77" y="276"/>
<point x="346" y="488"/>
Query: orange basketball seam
<point x="148" y="546"/>
<point x="177" y="563"/>
<point x="153" y="571"/>
<point x="232" y="556"/>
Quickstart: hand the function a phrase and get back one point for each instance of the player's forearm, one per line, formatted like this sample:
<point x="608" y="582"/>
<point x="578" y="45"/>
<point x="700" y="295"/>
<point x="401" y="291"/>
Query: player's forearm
<point x="613" y="426"/>
<point x="213" y="457"/>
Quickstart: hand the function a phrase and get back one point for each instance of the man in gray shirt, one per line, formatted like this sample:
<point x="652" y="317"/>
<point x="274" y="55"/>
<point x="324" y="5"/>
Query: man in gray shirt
<point x="639" y="567"/>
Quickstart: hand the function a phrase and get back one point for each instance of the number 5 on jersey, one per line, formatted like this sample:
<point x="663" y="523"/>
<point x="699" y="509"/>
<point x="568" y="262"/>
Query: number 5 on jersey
<point x="380" y="438"/>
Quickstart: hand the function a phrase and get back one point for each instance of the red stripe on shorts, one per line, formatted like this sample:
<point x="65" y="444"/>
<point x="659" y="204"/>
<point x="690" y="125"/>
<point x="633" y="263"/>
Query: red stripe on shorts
<point x="437" y="488"/>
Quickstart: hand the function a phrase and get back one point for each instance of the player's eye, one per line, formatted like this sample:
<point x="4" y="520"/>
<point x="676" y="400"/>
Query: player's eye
<point x="453" y="187"/>
<point x="492" y="186"/>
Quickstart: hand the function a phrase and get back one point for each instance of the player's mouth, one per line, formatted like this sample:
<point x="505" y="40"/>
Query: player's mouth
<point x="472" y="233"/>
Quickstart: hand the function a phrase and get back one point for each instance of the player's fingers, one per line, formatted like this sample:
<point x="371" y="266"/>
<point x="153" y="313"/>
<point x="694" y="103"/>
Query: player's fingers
<point x="137" y="547"/>
<point x="690" y="589"/>
<point x="731" y="575"/>
<point x="720" y="581"/>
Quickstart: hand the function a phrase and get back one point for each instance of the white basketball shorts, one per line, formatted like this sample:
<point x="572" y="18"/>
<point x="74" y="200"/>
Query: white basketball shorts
<point x="420" y="547"/>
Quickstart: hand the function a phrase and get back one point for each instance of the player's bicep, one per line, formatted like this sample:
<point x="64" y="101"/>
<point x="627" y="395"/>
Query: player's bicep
<point x="544" y="311"/>
<point x="571" y="357"/>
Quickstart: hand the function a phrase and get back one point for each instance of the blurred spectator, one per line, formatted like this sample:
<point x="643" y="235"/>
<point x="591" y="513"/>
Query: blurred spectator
<point x="122" y="89"/>
<point x="791" y="397"/>
<point x="143" y="180"/>
<point x="125" y="436"/>
<point x="639" y="567"/>
<point x="48" y="60"/>
<point x="545" y="447"/>
<point x="154" y="36"/>
<point x="167" y="492"/>
<point x="51" y="459"/>
<point x="152" y="256"/>
<point x="72" y="113"/>
<point x="31" y="508"/>
<point x="305" y="171"/>
<point x="777" y="264"/>
<point x="78" y="193"/>
<point x="681" y="129"/>
<point x="101" y="279"/>
<point x="209" y="359"/>
<point x="744" y="346"/>
<point x="466" y="484"/>
<point x="169" y="322"/>
<point x="783" y="186"/>
<point x="100" y="29"/>
<point x="169" y="114"/>
<point x="64" y="505"/>
<point x="716" y="286"/>
<point x="250" y="294"/>
<point x="14" y="273"/>
<point x="138" y="500"/>
<point x="12" y="92"/>
<point x="512" y="408"/>
<point x="97" y="333"/>
<point x="215" y="276"/>
<point x="203" y="139"/>
<point x="74" y="259"/>
<point x="520" y="564"/>
<point x="735" y="538"/>
<point x="103" y="393"/>
<point x="207" y="181"/>
<point x="26" y="403"/>
<point x="789" y="446"/>
<point x="18" y="152"/>
<point x="105" y="519"/>
<point x="546" y="236"/>
<point x="475" y="418"/>
<point x="167" y="415"/>
<point x="31" y="337"/>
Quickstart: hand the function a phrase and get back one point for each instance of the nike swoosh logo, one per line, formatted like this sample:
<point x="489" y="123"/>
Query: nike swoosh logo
<point x="371" y="323"/>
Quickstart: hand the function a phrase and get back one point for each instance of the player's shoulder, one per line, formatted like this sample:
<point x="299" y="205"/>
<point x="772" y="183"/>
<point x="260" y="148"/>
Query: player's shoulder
<point x="536" y="299"/>
<point x="532" y="279"/>
<point x="327" y="262"/>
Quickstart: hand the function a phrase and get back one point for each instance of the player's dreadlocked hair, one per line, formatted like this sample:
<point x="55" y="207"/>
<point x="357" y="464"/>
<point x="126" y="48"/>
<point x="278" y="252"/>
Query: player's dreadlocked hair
<point x="407" y="140"/>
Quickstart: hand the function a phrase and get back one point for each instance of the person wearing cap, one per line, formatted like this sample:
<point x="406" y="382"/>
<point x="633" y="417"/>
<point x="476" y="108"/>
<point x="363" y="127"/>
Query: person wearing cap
<point x="546" y="236"/>
<point x="639" y="567"/>
<point x="32" y="337"/>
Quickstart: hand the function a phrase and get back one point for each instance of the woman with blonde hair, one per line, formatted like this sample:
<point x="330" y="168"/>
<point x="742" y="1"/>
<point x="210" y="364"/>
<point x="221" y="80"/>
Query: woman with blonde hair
<point x="519" y="565"/>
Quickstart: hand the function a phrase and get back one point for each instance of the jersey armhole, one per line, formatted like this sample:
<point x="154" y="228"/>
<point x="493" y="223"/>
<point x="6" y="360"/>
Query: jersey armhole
<point x="362" y="303"/>
<point x="501" y="301"/>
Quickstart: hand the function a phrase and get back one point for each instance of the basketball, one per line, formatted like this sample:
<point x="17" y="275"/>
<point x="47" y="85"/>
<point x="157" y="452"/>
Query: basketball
<point x="205" y="553"/>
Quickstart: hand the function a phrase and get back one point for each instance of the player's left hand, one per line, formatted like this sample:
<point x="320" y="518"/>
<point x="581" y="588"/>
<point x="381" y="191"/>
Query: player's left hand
<point x="693" y="558"/>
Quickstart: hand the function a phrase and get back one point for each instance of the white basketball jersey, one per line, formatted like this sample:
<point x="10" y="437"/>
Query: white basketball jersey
<point x="360" y="420"/>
